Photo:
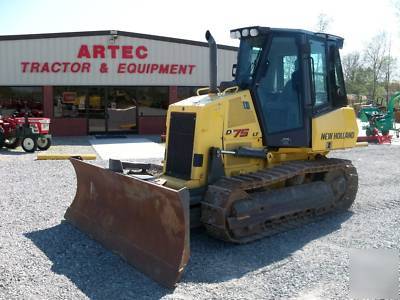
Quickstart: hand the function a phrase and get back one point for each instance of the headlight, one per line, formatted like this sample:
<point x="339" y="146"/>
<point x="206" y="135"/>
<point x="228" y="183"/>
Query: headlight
<point x="254" y="32"/>
<point x="245" y="32"/>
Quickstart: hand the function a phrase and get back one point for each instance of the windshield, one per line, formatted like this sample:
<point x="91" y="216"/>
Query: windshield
<point x="249" y="56"/>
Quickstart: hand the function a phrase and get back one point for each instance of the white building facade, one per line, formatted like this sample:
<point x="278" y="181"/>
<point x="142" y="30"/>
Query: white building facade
<point x="103" y="81"/>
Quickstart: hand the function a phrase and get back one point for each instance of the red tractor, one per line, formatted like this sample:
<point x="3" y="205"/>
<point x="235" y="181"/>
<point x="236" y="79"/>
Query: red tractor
<point x="30" y="133"/>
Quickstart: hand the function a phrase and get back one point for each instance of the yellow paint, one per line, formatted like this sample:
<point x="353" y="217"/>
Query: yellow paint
<point x="337" y="122"/>
<point x="50" y="156"/>
<point x="127" y="126"/>
<point x="362" y="144"/>
<point x="222" y="122"/>
<point x="228" y="121"/>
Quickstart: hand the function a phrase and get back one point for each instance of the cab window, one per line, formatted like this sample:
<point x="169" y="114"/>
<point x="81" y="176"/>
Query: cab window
<point x="318" y="68"/>
<point x="279" y="88"/>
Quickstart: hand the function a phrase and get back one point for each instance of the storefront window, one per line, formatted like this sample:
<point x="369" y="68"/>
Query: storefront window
<point x="152" y="101"/>
<point x="110" y="108"/>
<point x="70" y="102"/>
<point x="126" y="104"/>
<point x="15" y="99"/>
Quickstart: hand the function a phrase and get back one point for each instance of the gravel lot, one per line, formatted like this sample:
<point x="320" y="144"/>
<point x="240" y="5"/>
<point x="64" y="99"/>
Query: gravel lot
<point x="44" y="258"/>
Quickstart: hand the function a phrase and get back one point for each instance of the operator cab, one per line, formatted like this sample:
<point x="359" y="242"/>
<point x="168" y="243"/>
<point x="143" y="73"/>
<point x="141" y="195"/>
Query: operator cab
<point x="293" y="76"/>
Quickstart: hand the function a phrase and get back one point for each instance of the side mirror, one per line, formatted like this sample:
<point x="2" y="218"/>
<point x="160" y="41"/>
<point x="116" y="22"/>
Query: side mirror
<point x="234" y="67"/>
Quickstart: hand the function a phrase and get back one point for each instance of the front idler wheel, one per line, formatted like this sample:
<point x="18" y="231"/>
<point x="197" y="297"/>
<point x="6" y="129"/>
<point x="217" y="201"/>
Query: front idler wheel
<point x="43" y="143"/>
<point x="29" y="144"/>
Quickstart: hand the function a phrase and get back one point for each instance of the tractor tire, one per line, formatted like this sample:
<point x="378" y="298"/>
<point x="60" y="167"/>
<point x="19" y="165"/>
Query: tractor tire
<point x="2" y="139"/>
<point x="12" y="143"/>
<point x="29" y="144"/>
<point x="43" y="143"/>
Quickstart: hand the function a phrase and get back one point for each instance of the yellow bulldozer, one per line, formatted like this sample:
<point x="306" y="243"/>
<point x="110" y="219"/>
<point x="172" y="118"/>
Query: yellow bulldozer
<point x="245" y="160"/>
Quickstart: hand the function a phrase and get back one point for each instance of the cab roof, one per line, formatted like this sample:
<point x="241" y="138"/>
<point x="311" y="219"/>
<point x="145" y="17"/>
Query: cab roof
<point x="266" y="30"/>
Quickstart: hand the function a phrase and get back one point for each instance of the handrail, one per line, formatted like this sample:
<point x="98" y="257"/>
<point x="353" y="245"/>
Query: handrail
<point x="205" y="89"/>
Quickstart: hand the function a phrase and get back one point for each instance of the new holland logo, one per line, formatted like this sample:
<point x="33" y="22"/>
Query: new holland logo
<point x="337" y="135"/>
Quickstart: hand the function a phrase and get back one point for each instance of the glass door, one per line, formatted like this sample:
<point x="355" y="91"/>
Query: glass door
<point x="96" y="103"/>
<point x="280" y="94"/>
<point x="122" y="110"/>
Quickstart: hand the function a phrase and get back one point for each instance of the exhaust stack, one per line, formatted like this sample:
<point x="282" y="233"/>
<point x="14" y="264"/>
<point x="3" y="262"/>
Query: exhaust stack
<point x="213" y="62"/>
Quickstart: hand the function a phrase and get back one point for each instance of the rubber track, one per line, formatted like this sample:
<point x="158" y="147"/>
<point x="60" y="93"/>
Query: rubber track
<point x="220" y="197"/>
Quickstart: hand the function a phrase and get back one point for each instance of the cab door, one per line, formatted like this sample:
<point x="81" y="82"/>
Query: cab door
<point x="319" y="79"/>
<point x="282" y="91"/>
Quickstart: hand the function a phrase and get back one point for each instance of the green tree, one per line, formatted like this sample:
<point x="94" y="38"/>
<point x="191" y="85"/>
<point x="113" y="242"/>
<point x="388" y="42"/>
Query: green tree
<point x="351" y="65"/>
<point x="356" y="76"/>
<point x="375" y="56"/>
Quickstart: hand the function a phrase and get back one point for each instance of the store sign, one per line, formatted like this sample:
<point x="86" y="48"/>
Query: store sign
<point x="134" y="62"/>
<point x="104" y="61"/>
<point x="69" y="97"/>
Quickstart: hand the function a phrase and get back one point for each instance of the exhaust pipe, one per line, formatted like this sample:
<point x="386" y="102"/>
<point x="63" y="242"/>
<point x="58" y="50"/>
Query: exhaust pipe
<point x="213" y="62"/>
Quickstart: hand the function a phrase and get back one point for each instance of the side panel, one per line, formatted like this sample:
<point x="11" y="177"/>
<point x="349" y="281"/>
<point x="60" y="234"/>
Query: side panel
<point x="241" y="129"/>
<point x="224" y="121"/>
<point x="335" y="130"/>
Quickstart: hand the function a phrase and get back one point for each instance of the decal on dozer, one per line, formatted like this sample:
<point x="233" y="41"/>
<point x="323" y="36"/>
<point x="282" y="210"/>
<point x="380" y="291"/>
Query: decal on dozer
<point x="337" y="135"/>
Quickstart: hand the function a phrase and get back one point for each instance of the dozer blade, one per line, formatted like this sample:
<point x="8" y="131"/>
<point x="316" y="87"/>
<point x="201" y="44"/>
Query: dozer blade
<point x="146" y="224"/>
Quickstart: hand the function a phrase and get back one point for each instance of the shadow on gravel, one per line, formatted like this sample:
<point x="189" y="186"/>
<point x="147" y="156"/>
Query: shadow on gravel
<point x="71" y="141"/>
<point x="102" y="275"/>
<point x="97" y="272"/>
<point x="214" y="261"/>
<point x="13" y="152"/>
<point x="85" y="140"/>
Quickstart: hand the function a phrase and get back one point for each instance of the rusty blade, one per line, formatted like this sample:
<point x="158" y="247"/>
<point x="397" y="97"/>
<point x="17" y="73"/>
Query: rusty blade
<point x="146" y="224"/>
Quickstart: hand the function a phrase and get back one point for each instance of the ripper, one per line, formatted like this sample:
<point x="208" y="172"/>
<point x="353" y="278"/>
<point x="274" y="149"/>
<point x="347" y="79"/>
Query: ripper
<point x="55" y="67"/>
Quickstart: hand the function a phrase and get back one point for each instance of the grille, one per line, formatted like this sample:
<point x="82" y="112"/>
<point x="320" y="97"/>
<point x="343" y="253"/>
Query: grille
<point x="180" y="144"/>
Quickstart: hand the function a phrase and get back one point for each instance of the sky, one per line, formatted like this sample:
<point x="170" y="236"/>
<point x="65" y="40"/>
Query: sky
<point x="356" y="21"/>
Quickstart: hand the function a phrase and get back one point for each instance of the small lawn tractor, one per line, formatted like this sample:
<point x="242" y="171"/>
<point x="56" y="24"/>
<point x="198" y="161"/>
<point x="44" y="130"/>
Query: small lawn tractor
<point x="30" y="133"/>
<point x="380" y="123"/>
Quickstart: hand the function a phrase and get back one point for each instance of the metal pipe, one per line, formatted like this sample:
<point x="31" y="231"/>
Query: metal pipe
<point x="213" y="62"/>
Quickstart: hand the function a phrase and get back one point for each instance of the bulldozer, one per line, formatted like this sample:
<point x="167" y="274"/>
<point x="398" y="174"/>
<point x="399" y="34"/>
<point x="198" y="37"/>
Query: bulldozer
<point x="245" y="160"/>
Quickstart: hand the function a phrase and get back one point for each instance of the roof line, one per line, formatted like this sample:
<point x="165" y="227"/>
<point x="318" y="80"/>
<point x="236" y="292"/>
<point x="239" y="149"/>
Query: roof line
<point x="109" y="32"/>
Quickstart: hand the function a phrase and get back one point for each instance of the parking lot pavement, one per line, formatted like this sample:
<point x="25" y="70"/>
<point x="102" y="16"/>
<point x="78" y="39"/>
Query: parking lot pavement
<point x="139" y="148"/>
<point x="42" y="257"/>
<point x="127" y="148"/>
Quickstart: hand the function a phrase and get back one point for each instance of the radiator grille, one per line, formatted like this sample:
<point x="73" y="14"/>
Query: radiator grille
<point x="180" y="144"/>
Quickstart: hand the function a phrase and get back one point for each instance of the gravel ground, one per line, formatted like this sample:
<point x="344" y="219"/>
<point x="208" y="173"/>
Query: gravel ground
<point x="44" y="258"/>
